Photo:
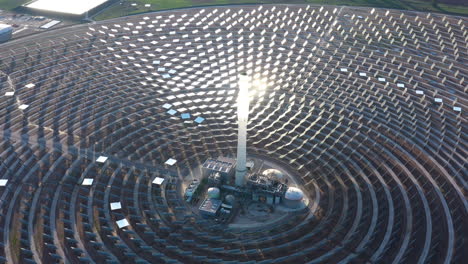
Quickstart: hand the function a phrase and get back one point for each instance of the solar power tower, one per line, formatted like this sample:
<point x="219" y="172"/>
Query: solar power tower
<point x="242" y="119"/>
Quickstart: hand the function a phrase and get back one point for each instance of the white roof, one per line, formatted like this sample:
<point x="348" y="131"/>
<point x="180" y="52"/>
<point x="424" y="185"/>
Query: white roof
<point x="115" y="206"/>
<point x="23" y="106"/>
<point x="30" y="85"/>
<point x="438" y="100"/>
<point x="294" y="193"/>
<point x="50" y="24"/>
<point x="122" y="223"/>
<point x="9" y="93"/>
<point x="170" y="162"/>
<point x="456" y="108"/>
<point x="101" y="159"/>
<point x="2" y="26"/>
<point x="401" y="85"/>
<point x="158" y="181"/>
<point x="6" y="28"/>
<point x="167" y="106"/>
<point x="343" y="69"/>
<point x="87" y="181"/>
<point x="3" y="182"/>
<point x="381" y="79"/>
<point x="362" y="74"/>
<point x="66" y="6"/>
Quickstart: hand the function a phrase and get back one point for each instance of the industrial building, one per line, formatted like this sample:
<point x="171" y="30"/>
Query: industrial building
<point x="266" y="187"/>
<point x="191" y="190"/>
<point x="223" y="165"/>
<point x="210" y="207"/>
<point x="6" y="32"/>
<point x="73" y="8"/>
<point x="219" y="170"/>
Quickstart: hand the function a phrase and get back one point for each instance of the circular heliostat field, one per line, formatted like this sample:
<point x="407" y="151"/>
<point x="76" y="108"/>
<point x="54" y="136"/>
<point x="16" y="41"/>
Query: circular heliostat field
<point x="99" y="123"/>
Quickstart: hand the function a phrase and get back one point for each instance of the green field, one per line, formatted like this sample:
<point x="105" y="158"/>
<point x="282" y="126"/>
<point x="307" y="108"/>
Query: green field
<point x="124" y="7"/>
<point x="10" y="4"/>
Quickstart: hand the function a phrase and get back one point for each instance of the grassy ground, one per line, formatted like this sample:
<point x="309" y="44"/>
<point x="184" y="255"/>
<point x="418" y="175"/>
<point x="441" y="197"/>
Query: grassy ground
<point x="10" y="4"/>
<point x="124" y="7"/>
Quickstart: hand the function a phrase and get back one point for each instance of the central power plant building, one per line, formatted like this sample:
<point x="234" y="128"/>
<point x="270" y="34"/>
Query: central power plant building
<point x="270" y="186"/>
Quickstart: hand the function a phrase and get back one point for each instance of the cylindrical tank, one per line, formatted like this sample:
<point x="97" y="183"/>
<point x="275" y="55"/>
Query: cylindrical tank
<point x="293" y="197"/>
<point x="230" y="199"/>
<point x="213" y="192"/>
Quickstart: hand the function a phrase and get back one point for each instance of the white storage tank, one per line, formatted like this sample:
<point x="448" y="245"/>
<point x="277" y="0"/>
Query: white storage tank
<point x="6" y="32"/>
<point x="213" y="193"/>
<point x="293" y="197"/>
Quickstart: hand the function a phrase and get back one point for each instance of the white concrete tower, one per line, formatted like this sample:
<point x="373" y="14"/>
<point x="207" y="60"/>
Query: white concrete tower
<point x="242" y="119"/>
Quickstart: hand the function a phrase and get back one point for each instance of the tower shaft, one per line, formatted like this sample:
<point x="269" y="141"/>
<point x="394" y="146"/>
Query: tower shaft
<point x="242" y="118"/>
